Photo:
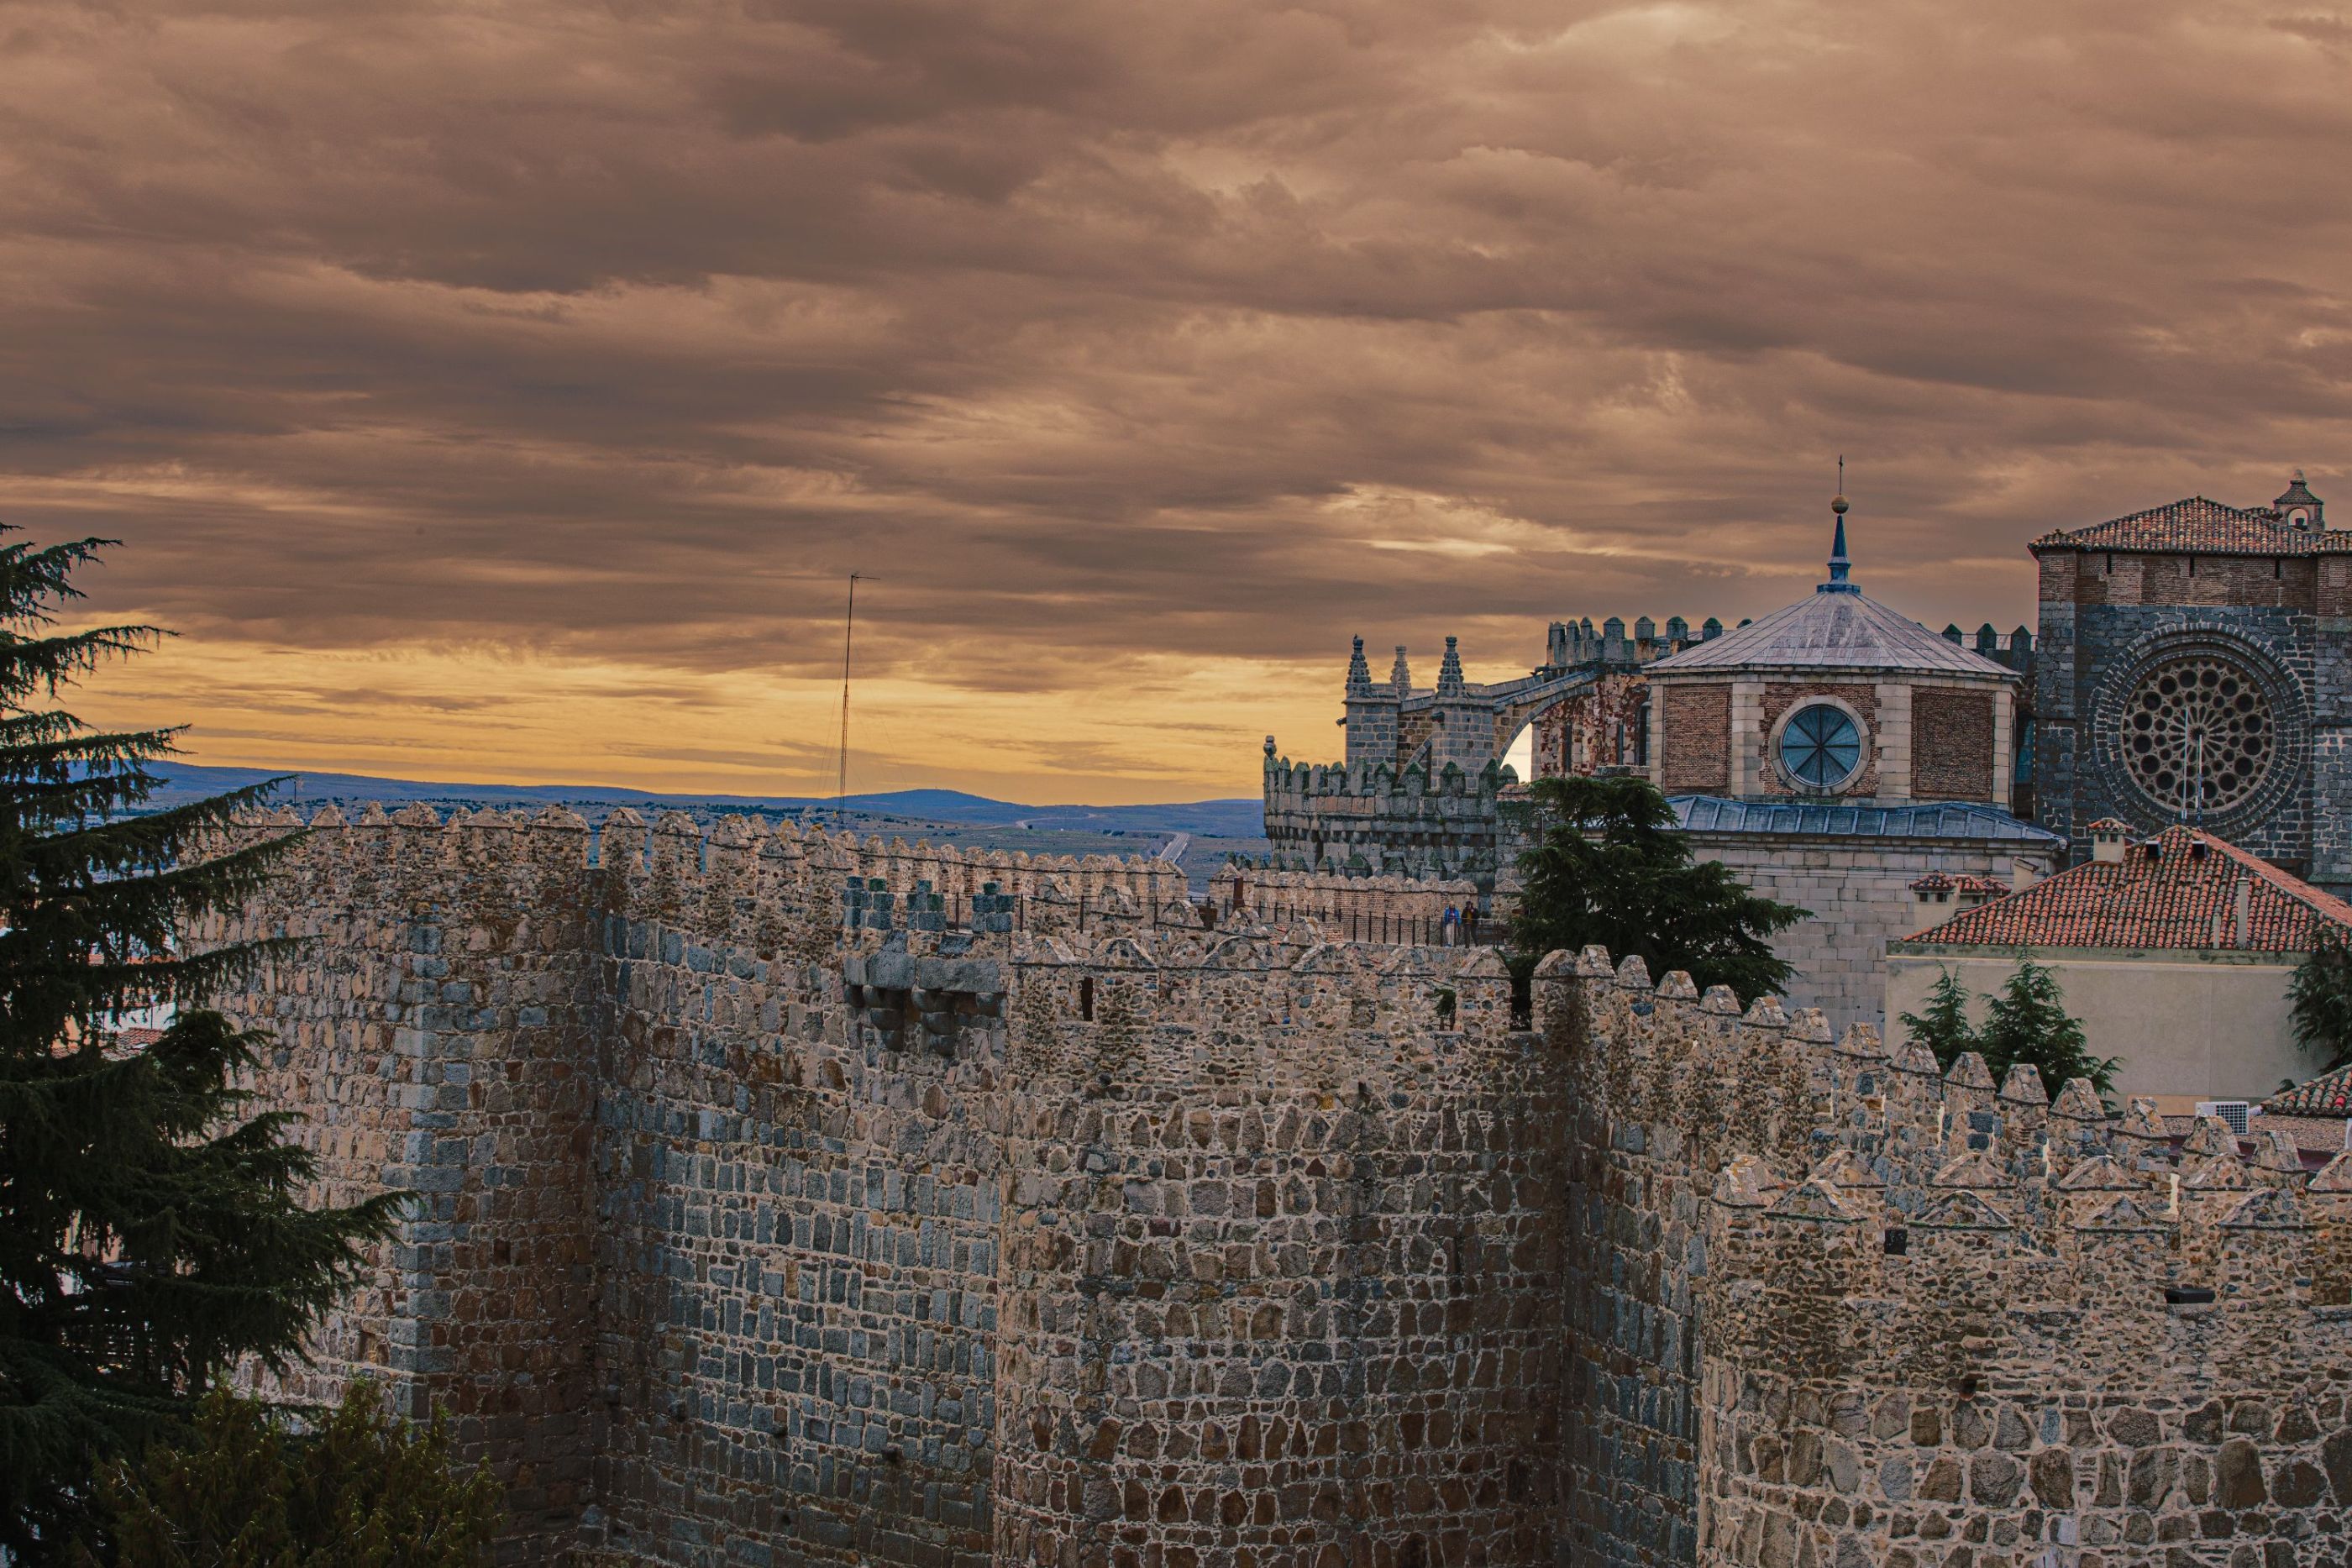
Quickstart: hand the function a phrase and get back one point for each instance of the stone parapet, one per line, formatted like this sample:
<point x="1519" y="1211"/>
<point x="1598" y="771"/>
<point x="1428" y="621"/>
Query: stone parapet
<point x="1896" y="1307"/>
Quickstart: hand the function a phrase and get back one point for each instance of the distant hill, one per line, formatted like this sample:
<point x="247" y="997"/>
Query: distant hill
<point x="1221" y="819"/>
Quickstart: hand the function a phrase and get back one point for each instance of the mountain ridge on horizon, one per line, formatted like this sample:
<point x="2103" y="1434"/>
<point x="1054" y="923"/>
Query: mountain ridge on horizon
<point x="1232" y="817"/>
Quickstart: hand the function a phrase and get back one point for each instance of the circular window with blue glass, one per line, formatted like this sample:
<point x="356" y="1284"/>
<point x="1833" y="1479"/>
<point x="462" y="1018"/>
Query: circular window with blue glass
<point x="1820" y="748"/>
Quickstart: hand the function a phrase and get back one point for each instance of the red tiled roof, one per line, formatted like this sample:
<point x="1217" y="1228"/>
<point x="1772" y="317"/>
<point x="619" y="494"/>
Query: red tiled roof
<point x="1934" y="882"/>
<point x="2109" y="825"/>
<point x="2174" y="900"/>
<point x="2329" y="1094"/>
<point x="1990" y="887"/>
<point x="2198" y="524"/>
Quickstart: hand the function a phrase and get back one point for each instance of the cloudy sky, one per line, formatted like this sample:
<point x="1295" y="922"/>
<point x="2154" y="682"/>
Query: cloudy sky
<point x="505" y="392"/>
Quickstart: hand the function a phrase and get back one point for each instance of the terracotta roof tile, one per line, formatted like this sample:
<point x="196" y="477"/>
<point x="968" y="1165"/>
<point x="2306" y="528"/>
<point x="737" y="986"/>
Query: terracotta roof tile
<point x="2179" y="898"/>
<point x="2196" y="523"/>
<point x="2329" y="1094"/>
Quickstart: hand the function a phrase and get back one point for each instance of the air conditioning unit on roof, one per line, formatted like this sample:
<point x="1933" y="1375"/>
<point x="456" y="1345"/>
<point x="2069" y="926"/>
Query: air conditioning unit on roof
<point x="2234" y="1113"/>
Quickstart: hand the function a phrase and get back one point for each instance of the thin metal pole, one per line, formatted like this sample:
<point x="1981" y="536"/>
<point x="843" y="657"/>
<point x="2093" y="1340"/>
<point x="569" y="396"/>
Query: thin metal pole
<point x="841" y="778"/>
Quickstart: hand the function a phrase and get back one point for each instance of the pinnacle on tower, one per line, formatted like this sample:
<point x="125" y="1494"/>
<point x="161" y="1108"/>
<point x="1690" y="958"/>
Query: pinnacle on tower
<point x="1401" y="675"/>
<point x="1360" y="674"/>
<point x="1449" y="673"/>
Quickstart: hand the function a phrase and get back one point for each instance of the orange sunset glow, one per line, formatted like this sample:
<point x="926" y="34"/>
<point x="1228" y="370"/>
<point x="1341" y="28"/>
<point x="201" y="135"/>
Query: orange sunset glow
<point x="505" y="394"/>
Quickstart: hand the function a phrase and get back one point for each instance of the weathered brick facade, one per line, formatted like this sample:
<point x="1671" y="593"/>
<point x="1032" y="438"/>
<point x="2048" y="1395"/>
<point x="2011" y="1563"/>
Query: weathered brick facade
<point x="1952" y="744"/>
<point x="767" y="1222"/>
<point x="1696" y="756"/>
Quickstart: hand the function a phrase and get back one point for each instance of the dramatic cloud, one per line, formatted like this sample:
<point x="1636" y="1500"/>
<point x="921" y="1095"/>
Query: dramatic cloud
<point x="506" y="393"/>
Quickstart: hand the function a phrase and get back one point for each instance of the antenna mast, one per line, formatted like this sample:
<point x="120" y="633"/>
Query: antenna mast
<point x="841" y="776"/>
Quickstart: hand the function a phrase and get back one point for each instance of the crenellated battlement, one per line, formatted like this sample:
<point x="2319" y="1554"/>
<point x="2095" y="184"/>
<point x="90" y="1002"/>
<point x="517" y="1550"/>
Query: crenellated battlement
<point x="1289" y="781"/>
<point x="1903" y="1171"/>
<point x="742" y="873"/>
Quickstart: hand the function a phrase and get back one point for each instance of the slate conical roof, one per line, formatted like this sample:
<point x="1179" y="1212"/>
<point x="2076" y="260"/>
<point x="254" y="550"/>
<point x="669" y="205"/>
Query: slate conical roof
<point x="1832" y="630"/>
<point x="1838" y="627"/>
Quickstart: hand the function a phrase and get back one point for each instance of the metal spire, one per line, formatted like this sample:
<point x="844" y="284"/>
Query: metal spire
<point x="1839" y="564"/>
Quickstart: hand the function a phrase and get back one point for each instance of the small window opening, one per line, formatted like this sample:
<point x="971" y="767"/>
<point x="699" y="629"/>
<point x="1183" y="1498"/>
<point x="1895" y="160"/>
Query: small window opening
<point x="2111" y="563"/>
<point x="1898" y="1242"/>
<point x="2278" y="571"/>
<point x="1087" y="999"/>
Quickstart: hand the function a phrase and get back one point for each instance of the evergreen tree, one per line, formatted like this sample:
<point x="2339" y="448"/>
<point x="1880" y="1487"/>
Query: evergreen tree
<point x="1608" y="865"/>
<point x="148" y="1237"/>
<point x="2029" y="1023"/>
<point x="361" y="1490"/>
<point x="1944" y="1028"/>
<point x="2321" y="998"/>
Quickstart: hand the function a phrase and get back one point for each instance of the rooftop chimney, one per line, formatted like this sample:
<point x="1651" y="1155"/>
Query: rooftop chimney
<point x="2107" y="836"/>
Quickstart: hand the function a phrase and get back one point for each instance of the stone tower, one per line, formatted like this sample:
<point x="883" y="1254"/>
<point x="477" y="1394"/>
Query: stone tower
<point x="2195" y="666"/>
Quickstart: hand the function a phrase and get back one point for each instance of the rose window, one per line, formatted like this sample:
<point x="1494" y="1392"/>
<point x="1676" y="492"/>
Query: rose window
<point x="2197" y="733"/>
<point x="1820" y="748"/>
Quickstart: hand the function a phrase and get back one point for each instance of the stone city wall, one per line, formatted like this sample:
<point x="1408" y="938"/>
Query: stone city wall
<point x="752" y="1235"/>
<point x="1919" y="1318"/>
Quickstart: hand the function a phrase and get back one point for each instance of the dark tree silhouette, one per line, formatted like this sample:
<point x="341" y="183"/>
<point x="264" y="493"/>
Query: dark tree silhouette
<point x="1608" y="865"/>
<point x="148" y="1236"/>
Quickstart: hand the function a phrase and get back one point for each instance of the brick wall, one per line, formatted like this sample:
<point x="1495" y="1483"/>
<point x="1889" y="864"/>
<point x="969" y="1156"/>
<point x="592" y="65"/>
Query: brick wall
<point x="1696" y="744"/>
<point x="2134" y="578"/>
<point x="1952" y="744"/>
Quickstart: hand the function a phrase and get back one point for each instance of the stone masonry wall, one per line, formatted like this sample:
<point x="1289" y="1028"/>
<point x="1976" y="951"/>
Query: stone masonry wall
<point x="1860" y="900"/>
<point x="1279" y="1277"/>
<point x="754" y="1236"/>
<point x="1938" y="1320"/>
<point x="797" y="1253"/>
<point x="1375" y="819"/>
<point x="765" y="1221"/>
<point x="436" y="1034"/>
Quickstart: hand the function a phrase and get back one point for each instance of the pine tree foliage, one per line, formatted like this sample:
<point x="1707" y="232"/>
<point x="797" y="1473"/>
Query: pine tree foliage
<point x="148" y="1237"/>
<point x="2320" y="998"/>
<point x="1610" y="865"/>
<point x="363" y="1489"/>
<point x="1943" y="1027"/>
<point x="2028" y="1022"/>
